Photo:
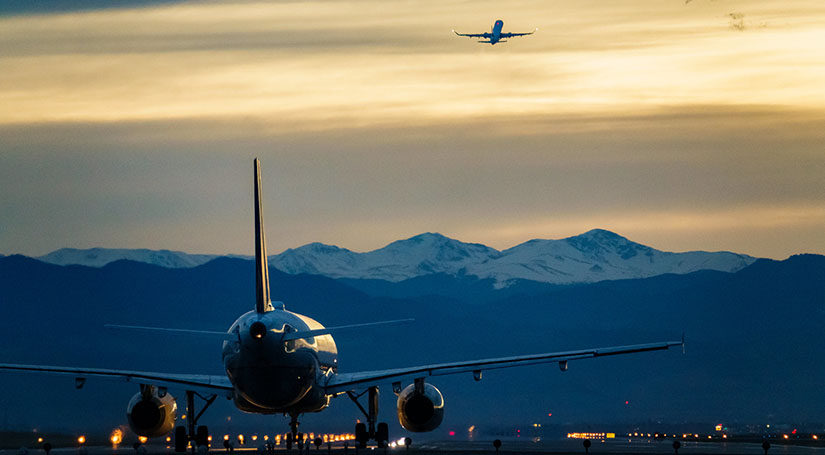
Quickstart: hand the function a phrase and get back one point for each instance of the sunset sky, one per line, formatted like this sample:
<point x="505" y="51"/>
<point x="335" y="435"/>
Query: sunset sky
<point x="683" y="126"/>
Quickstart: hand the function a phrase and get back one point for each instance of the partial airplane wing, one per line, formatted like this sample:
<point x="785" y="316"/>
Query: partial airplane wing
<point x="348" y="381"/>
<point x="474" y="35"/>
<point x="510" y="35"/>
<point x="212" y="385"/>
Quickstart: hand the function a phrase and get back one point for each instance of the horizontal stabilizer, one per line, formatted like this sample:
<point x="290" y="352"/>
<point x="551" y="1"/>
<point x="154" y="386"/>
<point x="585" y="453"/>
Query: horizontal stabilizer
<point x="333" y="330"/>
<point x="206" y="333"/>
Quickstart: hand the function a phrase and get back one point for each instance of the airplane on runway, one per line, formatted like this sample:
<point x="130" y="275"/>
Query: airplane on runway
<point x="280" y="362"/>
<point x="495" y="35"/>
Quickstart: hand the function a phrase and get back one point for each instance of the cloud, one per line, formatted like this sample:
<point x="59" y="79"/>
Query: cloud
<point x="500" y="181"/>
<point x="374" y="122"/>
<point x="322" y="63"/>
<point x="64" y="6"/>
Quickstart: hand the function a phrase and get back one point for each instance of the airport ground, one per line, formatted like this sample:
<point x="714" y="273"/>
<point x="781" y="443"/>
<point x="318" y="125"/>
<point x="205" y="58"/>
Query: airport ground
<point x="556" y="447"/>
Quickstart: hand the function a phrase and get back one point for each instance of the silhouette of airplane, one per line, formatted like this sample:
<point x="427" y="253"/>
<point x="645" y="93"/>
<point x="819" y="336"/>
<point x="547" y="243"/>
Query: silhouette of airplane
<point x="495" y="35"/>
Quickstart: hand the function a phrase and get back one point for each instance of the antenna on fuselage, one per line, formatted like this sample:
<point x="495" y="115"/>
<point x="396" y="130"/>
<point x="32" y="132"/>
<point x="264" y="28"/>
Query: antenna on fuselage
<point x="262" y="300"/>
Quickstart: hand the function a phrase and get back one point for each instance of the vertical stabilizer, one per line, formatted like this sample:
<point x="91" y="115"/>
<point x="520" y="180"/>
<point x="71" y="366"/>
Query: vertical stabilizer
<point x="262" y="301"/>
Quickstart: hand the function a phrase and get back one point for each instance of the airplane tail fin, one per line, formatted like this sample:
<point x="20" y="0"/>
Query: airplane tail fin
<point x="263" y="303"/>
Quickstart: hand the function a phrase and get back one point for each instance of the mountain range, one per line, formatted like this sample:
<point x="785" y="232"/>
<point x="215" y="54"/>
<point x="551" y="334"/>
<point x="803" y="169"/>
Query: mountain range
<point x="753" y="337"/>
<point x="590" y="257"/>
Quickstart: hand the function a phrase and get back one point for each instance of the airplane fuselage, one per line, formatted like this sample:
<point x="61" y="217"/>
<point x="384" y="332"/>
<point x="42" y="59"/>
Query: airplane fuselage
<point x="496" y="31"/>
<point x="272" y="376"/>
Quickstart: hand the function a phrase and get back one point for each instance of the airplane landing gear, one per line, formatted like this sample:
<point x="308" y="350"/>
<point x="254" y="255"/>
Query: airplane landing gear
<point x="368" y="431"/>
<point x="293" y="431"/>
<point x="199" y="435"/>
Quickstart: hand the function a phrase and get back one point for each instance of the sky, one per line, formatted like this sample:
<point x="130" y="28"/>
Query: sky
<point x="694" y="125"/>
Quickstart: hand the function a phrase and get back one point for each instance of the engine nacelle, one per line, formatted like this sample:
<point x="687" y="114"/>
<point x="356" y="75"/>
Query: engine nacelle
<point x="420" y="410"/>
<point x="150" y="414"/>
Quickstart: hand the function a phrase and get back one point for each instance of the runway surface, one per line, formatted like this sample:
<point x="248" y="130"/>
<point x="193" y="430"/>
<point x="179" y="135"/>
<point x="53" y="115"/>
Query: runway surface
<point x="560" y="447"/>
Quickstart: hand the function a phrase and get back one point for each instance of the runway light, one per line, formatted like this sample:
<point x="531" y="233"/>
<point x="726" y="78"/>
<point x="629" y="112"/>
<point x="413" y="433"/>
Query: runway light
<point x="143" y="439"/>
<point x="81" y="439"/>
<point x="785" y="436"/>
<point x="116" y="437"/>
<point x="549" y="414"/>
<point x="816" y="437"/>
<point x="794" y="431"/>
<point x="209" y="438"/>
<point x="225" y="437"/>
<point x="168" y="439"/>
<point x="266" y="437"/>
<point x="452" y="433"/>
<point x="39" y="440"/>
<point x="254" y="437"/>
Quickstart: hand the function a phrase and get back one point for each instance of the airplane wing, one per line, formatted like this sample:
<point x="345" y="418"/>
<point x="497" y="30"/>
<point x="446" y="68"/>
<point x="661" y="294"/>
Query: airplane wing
<point x="510" y="35"/>
<point x="348" y="381"/>
<point x="474" y="35"/>
<point x="212" y="385"/>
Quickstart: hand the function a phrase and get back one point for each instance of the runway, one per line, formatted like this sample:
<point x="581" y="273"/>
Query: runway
<point x="555" y="447"/>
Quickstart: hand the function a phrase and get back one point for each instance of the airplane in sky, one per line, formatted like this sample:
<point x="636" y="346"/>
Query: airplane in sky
<point x="280" y="362"/>
<point x="495" y="35"/>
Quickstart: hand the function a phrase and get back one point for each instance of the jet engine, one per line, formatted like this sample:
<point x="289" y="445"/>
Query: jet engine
<point x="151" y="414"/>
<point x="420" y="407"/>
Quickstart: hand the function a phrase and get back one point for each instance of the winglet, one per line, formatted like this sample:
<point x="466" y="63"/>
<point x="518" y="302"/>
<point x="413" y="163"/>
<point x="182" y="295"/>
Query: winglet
<point x="683" y="342"/>
<point x="263" y="303"/>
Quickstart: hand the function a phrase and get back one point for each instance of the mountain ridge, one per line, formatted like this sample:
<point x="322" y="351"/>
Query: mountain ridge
<point x="592" y="256"/>
<point x="747" y="335"/>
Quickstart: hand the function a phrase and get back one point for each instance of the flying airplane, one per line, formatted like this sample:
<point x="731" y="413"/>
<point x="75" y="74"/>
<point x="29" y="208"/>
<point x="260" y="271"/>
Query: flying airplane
<point x="495" y="35"/>
<point x="280" y="362"/>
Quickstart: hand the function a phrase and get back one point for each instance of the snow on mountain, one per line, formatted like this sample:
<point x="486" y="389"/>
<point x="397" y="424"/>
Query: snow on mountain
<point x="423" y="254"/>
<point x="98" y="257"/>
<point x="593" y="256"/>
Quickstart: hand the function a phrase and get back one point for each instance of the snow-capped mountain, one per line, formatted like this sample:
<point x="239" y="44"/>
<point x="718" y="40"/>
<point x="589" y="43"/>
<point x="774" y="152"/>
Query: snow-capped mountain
<point x="423" y="254"/>
<point x="98" y="257"/>
<point x="593" y="256"/>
